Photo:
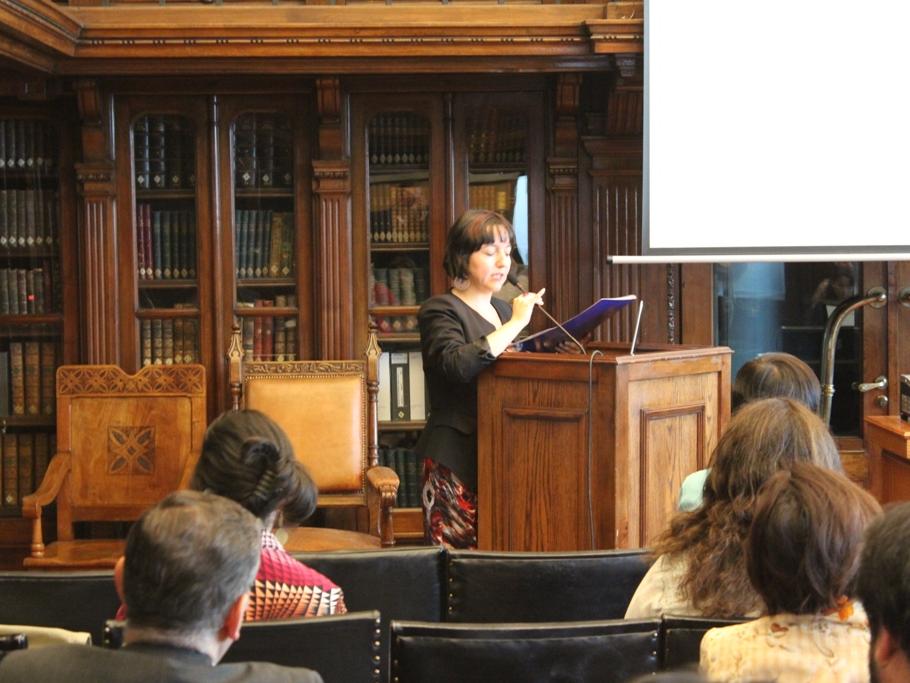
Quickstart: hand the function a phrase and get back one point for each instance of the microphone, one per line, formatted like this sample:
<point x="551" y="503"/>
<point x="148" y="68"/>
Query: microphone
<point x="513" y="280"/>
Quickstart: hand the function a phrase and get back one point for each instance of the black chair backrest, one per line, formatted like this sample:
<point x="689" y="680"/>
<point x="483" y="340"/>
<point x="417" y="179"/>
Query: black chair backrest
<point x="74" y="600"/>
<point x="553" y="586"/>
<point x="602" y="651"/>
<point x="680" y="637"/>
<point x="343" y="648"/>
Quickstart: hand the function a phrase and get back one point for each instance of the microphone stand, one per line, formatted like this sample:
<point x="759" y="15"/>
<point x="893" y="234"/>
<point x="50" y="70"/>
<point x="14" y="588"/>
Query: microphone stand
<point x="514" y="281"/>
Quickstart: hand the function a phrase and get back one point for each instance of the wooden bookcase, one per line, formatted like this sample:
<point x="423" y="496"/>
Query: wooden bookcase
<point x="38" y="320"/>
<point x="420" y="159"/>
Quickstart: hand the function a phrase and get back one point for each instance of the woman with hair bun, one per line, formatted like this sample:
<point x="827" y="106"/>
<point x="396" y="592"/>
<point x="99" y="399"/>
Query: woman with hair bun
<point x="248" y="458"/>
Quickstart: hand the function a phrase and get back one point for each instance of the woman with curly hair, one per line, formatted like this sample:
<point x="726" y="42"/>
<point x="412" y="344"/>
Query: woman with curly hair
<point x="700" y="568"/>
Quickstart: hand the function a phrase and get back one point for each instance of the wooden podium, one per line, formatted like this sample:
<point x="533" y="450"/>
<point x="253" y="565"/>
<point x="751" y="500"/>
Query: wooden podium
<point x="656" y="417"/>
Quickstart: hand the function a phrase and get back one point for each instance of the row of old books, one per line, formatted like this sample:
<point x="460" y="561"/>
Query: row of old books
<point x="267" y="337"/>
<point x="493" y="196"/>
<point x="165" y="153"/>
<point x="399" y="213"/>
<point x="496" y="136"/>
<point x="165" y="243"/>
<point x="264" y="243"/>
<point x="263" y="151"/>
<point x="169" y="341"/>
<point x="402" y="391"/>
<point x="402" y="286"/>
<point x="26" y="144"/>
<point x="24" y="457"/>
<point x="395" y="324"/>
<point x="399" y="139"/>
<point x="409" y="468"/>
<point x="28" y="378"/>
<point x="26" y="291"/>
<point x="28" y="218"/>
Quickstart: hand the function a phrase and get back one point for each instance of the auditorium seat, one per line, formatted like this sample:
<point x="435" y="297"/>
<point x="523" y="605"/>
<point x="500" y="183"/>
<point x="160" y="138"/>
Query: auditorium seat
<point x="530" y="587"/>
<point x="76" y="600"/>
<point x="611" y="651"/>
<point x="680" y="637"/>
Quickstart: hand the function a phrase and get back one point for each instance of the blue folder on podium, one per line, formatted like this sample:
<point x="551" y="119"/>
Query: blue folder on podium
<point x="580" y="325"/>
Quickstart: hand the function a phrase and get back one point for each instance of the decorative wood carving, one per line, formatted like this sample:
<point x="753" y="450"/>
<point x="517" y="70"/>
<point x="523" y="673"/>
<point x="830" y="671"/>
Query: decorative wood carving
<point x="332" y="259"/>
<point x="110" y="379"/>
<point x="131" y="450"/>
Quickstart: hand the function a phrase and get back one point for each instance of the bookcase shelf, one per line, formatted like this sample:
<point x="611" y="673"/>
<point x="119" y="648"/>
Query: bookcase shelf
<point x="402" y="426"/>
<point x="266" y="282"/>
<point x="163" y="313"/>
<point x="397" y="247"/>
<point x="399" y="337"/>
<point x="262" y="311"/>
<point x="394" y="310"/>
<point x="262" y="193"/>
<point x="167" y="284"/>
<point x="143" y="195"/>
<point x="37" y="314"/>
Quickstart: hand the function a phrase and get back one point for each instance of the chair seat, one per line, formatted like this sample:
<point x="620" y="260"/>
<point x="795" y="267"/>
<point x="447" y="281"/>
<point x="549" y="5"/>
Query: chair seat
<point x="78" y="555"/>
<point x="310" y="538"/>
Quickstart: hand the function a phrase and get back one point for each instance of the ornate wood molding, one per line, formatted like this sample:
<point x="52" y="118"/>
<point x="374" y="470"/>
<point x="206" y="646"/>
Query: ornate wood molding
<point x="59" y="38"/>
<point x="154" y="379"/>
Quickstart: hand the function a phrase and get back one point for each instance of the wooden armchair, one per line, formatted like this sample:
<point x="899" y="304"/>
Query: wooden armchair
<point x="123" y="443"/>
<point x="328" y="410"/>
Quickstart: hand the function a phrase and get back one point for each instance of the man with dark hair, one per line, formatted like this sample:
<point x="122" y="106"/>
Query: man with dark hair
<point x="185" y="579"/>
<point x="883" y="585"/>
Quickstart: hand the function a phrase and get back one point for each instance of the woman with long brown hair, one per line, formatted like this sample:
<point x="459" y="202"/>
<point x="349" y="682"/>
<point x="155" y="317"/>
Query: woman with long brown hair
<point x="699" y="568"/>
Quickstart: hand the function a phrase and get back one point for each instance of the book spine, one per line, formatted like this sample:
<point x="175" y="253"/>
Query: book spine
<point x="140" y="240"/>
<point x="190" y="342"/>
<point x="417" y="387"/>
<point x="4" y="292"/>
<point x="265" y="155"/>
<point x="398" y="370"/>
<point x="167" y="333"/>
<point x="10" y="470"/>
<point x="48" y="378"/>
<point x="276" y="238"/>
<point x="173" y="133"/>
<point x="287" y="246"/>
<point x="10" y="144"/>
<point x="145" y="338"/>
<point x="186" y="255"/>
<point x="4" y="384"/>
<point x="141" y="152"/>
<point x="22" y="290"/>
<point x="167" y="236"/>
<point x="3" y="124"/>
<point x="384" y="403"/>
<point x="12" y="291"/>
<point x="268" y="325"/>
<point x="157" y="342"/>
<point x="26" y="463"/>
<point x="179" y="340"/>
<point x="42" y="455"/>
<point x="249" y="338"/>
<point x="157" y="142"/>
<point x="32" y="378"/>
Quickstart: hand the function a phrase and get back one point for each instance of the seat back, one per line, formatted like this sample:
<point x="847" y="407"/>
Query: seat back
<point x="343" y="648"/>
<point x="601" y="651"/>
<point x="328" y="410"/>
<point x="123" y="442"/>
<point x="72" y="600"/>
<point x="680" y="639"/>
<point x="532" y="587"/>
<point x="131" y="438"/>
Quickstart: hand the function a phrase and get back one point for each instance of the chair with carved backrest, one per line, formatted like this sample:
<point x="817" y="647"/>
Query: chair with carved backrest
<point x="328" y="410"/>
<point x="123" y="443"/>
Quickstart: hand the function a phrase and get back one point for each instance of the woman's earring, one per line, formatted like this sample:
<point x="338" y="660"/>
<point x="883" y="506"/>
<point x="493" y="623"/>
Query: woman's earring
<point x="461" y="284"/>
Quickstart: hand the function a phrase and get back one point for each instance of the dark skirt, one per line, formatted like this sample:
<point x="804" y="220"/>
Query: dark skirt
<point x="449" y="508"/>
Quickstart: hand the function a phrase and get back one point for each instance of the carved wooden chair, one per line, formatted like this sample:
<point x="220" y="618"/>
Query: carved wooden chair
<point x="328" y="409"/>
<point x="123" y="443"/>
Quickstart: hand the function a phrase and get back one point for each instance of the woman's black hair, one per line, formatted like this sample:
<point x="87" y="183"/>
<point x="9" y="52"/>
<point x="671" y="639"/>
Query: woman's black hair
<point x="248" y="458"/>
<point x="473" y="229"/>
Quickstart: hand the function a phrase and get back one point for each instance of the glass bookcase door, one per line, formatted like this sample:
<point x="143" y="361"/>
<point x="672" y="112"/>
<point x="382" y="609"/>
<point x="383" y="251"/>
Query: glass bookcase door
<point x="32" y="324"/>
<point x="166" y="239"/>
<point x="398" y="150"/>
<point x="264" y="235"/>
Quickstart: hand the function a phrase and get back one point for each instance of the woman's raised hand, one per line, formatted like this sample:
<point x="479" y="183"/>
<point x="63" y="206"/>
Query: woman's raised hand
<point x="523" y="305"/>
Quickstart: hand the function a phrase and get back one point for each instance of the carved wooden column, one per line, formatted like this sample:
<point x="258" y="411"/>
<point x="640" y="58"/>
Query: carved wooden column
<point x="97" y="227"/>
<point x="616" y="179"/>
<point x="332" y="262"/>
<point x="562" y="186"/>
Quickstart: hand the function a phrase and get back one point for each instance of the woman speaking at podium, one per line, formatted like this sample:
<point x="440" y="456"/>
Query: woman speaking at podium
<point x="461" y="333"/>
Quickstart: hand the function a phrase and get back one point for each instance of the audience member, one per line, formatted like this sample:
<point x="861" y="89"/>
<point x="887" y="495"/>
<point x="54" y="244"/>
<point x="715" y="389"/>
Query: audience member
<point x="770" y="375"/>
<point x="185" y="580"/>
<point x="248" y="458"/>
<point x="802" y="554"/>
<point x="883" y="586"/>
<point x="699" y="570"/>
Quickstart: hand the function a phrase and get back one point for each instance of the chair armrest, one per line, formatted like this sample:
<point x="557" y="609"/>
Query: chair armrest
<point x="382" y="489"/>
<point x="50" y="486"/>
<point x="385" y="481"/>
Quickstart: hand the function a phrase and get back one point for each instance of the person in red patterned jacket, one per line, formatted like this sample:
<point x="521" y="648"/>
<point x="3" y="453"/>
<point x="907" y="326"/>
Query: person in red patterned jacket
<point x="248" y="458"/>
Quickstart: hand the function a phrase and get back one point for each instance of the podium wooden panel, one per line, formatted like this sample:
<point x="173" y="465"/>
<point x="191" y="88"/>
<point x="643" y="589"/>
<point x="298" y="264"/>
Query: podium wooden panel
<point x="656" y="417"/>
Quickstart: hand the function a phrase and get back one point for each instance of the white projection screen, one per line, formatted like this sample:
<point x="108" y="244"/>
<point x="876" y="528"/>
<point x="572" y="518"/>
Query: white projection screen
<point x="777" y="130"/>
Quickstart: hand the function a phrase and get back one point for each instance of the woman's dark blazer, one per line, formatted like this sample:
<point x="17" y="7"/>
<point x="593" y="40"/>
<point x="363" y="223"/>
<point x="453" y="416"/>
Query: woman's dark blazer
<point x="455" y="350"/>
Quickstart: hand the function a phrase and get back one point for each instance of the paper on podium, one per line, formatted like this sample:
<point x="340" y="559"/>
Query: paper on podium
<point x="580" y="325"/>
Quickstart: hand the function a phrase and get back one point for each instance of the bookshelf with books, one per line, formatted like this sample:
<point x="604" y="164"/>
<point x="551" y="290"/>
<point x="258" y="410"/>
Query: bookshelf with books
<point x="266" y="195"/>
<point x="420" y="160"/>
<point x="165" y="231"/>
<point x="37" y="321"/>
